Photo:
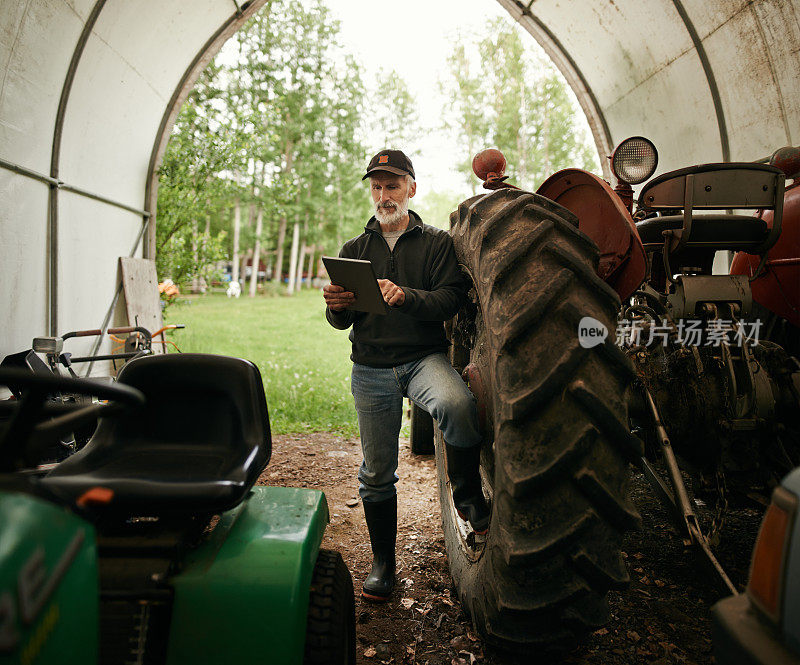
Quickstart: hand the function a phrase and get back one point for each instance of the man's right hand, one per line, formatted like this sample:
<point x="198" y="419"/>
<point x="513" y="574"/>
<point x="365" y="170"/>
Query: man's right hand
<point x="337" y="298"/>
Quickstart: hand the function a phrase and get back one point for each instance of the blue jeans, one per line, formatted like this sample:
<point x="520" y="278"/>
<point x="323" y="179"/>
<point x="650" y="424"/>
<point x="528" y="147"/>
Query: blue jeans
<point x="432" y="384"/>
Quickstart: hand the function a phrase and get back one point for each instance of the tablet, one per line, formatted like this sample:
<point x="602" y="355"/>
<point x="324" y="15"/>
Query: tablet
<point x="357" y="276"/>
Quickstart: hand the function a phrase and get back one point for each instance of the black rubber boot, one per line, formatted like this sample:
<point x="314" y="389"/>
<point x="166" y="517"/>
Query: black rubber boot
<point x="463" y="466"/>
<point x="382" y="524"/>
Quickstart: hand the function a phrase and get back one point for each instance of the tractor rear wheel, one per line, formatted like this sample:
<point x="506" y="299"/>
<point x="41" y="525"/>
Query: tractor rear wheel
<point x="556" y="453"/>
<point x="331" y="626"/>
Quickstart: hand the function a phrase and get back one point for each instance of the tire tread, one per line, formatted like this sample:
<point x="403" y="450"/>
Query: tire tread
<point x="330" y="628"/>
<point x="538" y="585"/>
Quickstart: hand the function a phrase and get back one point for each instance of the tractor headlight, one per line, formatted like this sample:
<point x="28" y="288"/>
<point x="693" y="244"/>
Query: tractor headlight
<point x="634" y="160"/>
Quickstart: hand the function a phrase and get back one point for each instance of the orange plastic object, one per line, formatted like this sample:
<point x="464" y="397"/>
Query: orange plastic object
<point x="766" y="571"/>
<point x="778" y="286"/>
<point x="604" y="218"/>
<point x="96" y="496"/>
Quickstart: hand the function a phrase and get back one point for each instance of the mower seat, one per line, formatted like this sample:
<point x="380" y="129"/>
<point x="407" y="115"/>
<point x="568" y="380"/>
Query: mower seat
<point x="197" y="446"/>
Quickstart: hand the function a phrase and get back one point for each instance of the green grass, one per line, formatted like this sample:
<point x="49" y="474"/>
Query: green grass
<point x="305" y="363"/>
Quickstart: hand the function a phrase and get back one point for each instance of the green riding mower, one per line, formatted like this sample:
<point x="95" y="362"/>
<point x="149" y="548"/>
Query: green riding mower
<point x="153" y="544"/>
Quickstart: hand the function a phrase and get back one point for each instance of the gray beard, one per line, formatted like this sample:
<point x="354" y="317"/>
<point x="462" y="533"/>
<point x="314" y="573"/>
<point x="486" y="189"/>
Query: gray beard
<point x="390" y="217"/>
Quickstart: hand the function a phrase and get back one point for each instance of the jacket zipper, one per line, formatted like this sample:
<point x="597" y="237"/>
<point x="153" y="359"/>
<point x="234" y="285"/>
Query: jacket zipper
<point x="391" y="252"/>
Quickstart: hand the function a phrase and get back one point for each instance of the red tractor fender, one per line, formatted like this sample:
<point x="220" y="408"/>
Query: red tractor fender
<point x="778" y="286"/>
<point x="604" y="218"/>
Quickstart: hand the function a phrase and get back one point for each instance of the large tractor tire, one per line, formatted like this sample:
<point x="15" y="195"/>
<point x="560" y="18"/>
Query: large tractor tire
<point x="557" y="447"/>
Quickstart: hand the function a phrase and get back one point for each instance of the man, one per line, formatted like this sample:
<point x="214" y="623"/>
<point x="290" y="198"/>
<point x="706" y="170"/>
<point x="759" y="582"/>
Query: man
<point x="402" y="354"/>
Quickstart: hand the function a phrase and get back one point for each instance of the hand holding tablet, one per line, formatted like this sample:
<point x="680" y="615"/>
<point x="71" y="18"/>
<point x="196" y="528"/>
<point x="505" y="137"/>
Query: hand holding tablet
<point x="356" y="277"/>
<point x="337" y="297"/>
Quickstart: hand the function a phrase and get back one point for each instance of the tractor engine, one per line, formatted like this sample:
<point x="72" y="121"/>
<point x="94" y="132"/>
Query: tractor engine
<point x="728" y="399"/>
<point x="715" y="354"/>
<point x="704" y="348"/>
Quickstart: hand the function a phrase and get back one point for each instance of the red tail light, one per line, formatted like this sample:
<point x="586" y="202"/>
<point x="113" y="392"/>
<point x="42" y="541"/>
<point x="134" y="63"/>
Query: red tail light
<point x="765" y="587"/>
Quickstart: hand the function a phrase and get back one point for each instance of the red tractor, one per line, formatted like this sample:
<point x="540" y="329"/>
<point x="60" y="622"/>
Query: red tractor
<point x="597" y="337"/>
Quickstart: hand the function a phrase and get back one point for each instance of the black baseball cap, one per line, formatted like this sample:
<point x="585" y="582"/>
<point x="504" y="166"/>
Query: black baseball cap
<point x="392" y="161"/>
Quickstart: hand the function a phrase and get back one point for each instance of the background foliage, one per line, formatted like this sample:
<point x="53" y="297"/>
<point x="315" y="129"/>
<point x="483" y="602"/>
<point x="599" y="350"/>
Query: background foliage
<point x="511" y="97"/>
<point x="265" y="160"/>
<point x="272" y="128"/>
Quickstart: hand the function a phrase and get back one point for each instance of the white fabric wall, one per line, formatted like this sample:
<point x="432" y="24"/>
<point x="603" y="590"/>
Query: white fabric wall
<point x="642" y="66"/>
<point x="23" y="261"/>
<point x="34" y="57"/>
<point x="135" y="56"/>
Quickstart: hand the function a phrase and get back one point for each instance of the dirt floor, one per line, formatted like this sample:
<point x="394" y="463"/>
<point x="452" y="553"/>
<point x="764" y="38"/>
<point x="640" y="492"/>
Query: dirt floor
<point x="663" y="617"/>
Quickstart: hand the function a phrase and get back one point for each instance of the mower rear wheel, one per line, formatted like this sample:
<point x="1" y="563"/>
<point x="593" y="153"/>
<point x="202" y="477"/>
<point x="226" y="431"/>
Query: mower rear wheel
<point x="555" y="458"/>
<point x="331" y="627"/>
<point x="421" y="438"/>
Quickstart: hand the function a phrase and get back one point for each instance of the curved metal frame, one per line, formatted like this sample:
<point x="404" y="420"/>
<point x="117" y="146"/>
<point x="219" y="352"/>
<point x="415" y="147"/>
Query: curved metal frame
<point x="710" y="78"/>
<point x="55" y="156"/>
<point x="209" y="49"/>
<point x="187" y="81"/>
<point x="586" y="98"/>
<point x="572" y="73"/>
<point x="521" y="13"/>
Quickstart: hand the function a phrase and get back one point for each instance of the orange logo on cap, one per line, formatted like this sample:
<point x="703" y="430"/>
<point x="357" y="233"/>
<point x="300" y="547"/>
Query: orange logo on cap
<point x="383" y="159"/>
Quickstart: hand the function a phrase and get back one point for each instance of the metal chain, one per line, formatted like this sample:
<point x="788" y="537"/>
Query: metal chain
<point x="720" y="508"/>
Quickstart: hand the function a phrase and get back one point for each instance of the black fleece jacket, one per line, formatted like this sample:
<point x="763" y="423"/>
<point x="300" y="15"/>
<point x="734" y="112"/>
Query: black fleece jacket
<point x="424" y="264"/>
